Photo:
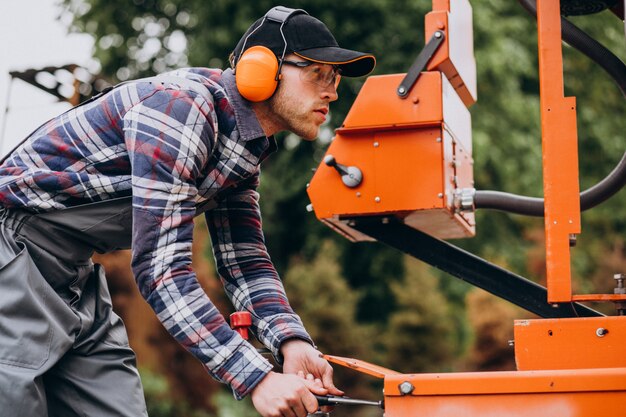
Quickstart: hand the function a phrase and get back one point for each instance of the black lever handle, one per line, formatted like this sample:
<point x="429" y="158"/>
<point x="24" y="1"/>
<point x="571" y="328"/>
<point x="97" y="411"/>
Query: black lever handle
<point x="420" y="63"/>
<point x="351" y="176"/>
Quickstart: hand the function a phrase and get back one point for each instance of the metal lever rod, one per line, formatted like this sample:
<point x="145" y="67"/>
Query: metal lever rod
<point x="420" y="63"/>
<point x="331" y="400"/>
<point x="351" y="176"/>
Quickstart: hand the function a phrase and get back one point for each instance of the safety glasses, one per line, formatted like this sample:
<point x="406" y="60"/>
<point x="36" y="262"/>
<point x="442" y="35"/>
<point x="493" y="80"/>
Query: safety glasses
<point x="323" y="75"/>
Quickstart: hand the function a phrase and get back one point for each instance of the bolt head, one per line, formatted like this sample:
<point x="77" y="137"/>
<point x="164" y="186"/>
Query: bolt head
<point x="406" y="388"/>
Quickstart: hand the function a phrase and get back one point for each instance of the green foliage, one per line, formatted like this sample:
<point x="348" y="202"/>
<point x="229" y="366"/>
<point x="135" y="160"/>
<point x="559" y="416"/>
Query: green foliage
<point x="420" y="336"/>
<point x="159" y="401"/>
<point x="227" y="407"/>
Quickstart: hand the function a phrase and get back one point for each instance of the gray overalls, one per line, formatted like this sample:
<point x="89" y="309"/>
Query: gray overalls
<point x="63" y="351"/>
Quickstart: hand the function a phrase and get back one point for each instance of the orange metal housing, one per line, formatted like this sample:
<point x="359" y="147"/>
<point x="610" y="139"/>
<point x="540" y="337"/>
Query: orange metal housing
<point x="594" y="342"/>
<point x="414" y="153"/>
<point x="596" y="392"/>
<point x="560" y="393"/>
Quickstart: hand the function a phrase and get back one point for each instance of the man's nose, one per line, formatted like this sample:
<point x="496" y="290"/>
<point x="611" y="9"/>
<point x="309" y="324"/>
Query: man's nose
<point x="330" y="92"/>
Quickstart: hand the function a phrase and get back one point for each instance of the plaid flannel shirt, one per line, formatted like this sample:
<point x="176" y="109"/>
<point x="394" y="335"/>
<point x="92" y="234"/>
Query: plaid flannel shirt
<point x="173" y="148"/>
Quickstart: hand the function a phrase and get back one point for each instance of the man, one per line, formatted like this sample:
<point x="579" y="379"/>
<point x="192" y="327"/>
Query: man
<point x="131" y="168"/>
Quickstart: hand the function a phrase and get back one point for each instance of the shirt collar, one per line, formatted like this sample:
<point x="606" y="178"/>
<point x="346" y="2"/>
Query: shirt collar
<point x="247" y="123"/>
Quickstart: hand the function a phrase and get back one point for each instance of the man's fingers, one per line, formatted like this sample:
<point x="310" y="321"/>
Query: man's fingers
<point x="310" y="403"/>
<point x="317" y="389"/>
<point x="327" y="380"/>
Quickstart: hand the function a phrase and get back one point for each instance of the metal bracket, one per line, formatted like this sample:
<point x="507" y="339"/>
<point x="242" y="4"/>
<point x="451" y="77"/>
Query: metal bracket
<point x="420" y="63"/>
<point x="470" y="268"/>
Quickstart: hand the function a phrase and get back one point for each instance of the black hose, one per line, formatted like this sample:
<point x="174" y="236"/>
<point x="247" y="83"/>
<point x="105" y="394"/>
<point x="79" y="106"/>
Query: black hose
<point x="533" y="206"/>
<point x="609" y="186"/>
<point x="597" y="52"/>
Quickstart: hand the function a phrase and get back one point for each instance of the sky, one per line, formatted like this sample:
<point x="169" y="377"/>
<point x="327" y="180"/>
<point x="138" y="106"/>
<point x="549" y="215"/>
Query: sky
<point x="32" y="36"/>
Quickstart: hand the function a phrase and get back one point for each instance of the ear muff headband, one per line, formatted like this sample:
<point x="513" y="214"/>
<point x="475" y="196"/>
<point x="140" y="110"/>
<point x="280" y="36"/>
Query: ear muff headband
<point x="257" y="71"/>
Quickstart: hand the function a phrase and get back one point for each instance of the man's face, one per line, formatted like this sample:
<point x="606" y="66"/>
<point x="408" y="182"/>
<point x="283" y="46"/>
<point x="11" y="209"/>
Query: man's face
<point x="301" y="101"/>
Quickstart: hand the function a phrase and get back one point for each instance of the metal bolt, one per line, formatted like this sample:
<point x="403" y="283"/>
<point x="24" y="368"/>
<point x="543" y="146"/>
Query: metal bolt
<point x="309" y="207"/>
<point x="401" y="90"/>
<point x="308" y="185"/>
<point x="511" y="343"/>
<point x="406" y="388"/>
<point x="438" y="140"/>
<point x="440" y="195"/>
<point x="619" y="281"/>
<point x="358" y="194"/>
<point x="385" y="220"/>
<point x="437" y="34"/>
<point x="601" y="331"/>
<point x="376" y="144"/>
<point x="377" y="199"/>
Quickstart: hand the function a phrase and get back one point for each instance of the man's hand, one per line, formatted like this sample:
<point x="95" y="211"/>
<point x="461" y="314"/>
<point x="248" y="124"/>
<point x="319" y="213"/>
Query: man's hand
<point x="281" y="395"/>
<point x="303" y="359"/>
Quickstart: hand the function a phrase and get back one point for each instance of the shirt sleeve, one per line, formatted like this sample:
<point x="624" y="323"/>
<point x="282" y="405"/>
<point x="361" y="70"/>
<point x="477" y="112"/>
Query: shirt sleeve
<point x="169" y="136"/>
<point x="246" y="270"/>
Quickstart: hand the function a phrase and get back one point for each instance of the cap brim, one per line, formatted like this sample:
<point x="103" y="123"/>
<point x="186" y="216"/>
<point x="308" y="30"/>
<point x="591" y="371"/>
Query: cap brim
<point x="352" y="63"/>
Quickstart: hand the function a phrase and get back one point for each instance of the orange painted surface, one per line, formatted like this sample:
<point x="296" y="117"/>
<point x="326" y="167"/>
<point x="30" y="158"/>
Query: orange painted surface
<point x="393" y="163"/>
<point x="379" y="107"/>
<point x="589" y="342"/>
<point x="546" y="404"/>
<point x="560" y="154"/>
<point x="509" y="382"/>
<point x="566" y="393"/>
<point x="531" y="393"/>
<point x="361" y="366"/>
<point x="599" y="297"/>
<point x="411" y="159"/>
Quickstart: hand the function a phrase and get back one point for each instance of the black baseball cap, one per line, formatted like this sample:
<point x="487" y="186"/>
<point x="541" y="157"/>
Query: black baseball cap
<point x="306" y="37"/>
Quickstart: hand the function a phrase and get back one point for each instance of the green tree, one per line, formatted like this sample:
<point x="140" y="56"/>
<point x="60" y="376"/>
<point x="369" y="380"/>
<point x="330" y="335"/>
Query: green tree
<point x="420" y="336"/>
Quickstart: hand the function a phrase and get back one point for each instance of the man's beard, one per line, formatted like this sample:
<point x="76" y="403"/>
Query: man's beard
<point x="284" y="109"/>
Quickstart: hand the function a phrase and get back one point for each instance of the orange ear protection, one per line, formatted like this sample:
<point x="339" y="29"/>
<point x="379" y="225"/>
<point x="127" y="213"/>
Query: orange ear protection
<point x="257" y="69"/>
<point x="256" y="73"/>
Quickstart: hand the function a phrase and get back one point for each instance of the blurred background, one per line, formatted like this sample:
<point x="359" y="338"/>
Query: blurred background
<point x="361" y="300"/>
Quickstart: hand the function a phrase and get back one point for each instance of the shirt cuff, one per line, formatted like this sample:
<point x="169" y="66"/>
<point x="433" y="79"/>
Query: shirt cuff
<point x="274" y="331"/>
<point x="244" y="368"/>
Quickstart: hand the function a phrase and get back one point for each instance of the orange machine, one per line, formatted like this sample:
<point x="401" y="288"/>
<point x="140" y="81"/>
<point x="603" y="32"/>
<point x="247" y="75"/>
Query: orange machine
<point x="400" y="171"/>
